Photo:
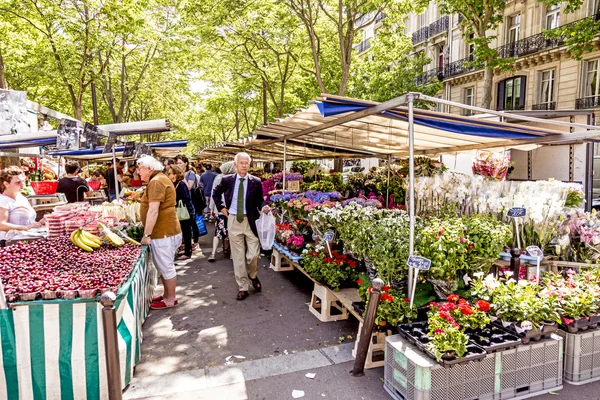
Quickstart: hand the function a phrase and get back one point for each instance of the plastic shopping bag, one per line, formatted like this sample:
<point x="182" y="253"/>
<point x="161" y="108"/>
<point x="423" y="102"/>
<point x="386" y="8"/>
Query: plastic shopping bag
<point x="201" y="225"/>
<point x="265" y="225"/>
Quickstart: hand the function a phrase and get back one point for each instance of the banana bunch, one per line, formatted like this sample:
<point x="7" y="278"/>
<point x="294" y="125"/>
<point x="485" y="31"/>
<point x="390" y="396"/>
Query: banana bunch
<point x="112" y="238"/>
<point x="85" y="240"/>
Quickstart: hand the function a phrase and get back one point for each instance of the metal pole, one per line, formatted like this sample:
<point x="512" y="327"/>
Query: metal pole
<point x="111" y="345"/>
<point x="411" y="190"/>
<point x="284" y="161"/>
<point x="116" y="175"/>
<point x="515" y="263"/>
<point x="387" y="191"/>
<point x="367" y="328"/>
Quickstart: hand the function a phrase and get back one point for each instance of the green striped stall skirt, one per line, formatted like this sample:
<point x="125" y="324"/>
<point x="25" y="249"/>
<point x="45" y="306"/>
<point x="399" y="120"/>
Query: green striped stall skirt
<point x="54" y="349"/>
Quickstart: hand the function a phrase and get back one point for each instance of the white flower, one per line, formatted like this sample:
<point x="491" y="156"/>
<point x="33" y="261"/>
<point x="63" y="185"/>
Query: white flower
<point x="478" y="274"/>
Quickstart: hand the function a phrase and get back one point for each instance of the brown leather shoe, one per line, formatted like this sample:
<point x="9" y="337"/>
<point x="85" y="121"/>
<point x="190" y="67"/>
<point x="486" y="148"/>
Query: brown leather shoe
<point x="242" y="294"/>
<point x="256" y="283"/>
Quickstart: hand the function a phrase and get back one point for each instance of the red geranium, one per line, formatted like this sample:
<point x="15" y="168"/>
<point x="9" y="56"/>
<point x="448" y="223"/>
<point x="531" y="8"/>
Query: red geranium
<point x="360" y="281"/>
<point x="445" y="314"/>
<point x="406" y="300"/>
<point x="482" y="305"/>
<point x="448" y="306"/>
<point x="453" y="298"/>
<point x="466" y="309"/>
<point x="386" y="288"/>
<point x="433" y="304"/>
<point x="462" y="301"/>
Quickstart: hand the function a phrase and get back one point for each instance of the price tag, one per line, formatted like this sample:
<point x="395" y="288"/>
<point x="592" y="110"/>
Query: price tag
<point x="420" y="263"/>
<point x="328" y="237"/>
<point x="535" y="251"/>
<point x="517" y="212"/>
<point x="129" y="149"/>
<point x="526" y="325"/>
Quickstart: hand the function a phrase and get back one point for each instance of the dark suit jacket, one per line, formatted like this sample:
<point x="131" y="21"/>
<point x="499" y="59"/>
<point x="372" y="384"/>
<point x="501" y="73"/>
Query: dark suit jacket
<point x="254" y="197"/>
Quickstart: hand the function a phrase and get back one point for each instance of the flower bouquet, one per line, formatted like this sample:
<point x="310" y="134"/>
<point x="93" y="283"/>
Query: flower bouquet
<point x="491" y="165"/>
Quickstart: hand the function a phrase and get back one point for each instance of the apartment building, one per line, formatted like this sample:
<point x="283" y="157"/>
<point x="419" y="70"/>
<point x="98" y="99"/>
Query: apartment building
<point x="544" y="76"/>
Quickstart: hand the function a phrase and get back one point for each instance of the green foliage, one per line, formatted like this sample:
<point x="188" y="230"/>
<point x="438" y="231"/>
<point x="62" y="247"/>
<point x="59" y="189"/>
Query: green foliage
<point x="322" y="186"/>
<point x="331" y="271"/>
<point x="302" y="167"/>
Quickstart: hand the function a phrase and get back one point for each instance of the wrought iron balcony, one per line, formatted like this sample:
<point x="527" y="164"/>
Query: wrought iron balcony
<point x="529" y="45"/>
<point x="439" y="26"/>
<point x="460" y="67"/>
<point x="363" y="46"/>
<point x="587" y="102"/>
<point x="429" y="75"/>
<point x="421" y="35"/>
<point x="512" y="107"/>
<point x="544" y="106"/>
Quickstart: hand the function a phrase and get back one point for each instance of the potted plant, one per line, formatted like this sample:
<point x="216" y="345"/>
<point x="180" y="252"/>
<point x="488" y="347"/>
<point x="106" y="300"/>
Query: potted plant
<point x="333" y="271"/>
<point x="295" y="243"/>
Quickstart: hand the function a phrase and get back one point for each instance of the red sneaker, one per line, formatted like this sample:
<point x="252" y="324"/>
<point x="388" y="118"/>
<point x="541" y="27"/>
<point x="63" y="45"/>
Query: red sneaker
<point x="161" y="305"/>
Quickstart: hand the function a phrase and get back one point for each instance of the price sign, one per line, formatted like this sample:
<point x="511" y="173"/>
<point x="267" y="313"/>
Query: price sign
<point x="110" y="143"/>
<point x="68" y="135"/>
<point x="526" y="325"/>
<point x="535" y="251"/>
<point x="420" y="263"/>
<point x="129" y="149"/>
<point x="328" y="237"/>
<point x="517" y="212"/>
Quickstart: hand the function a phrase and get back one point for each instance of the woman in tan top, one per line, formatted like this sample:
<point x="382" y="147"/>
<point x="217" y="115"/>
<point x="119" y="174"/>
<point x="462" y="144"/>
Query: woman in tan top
<point x="161" y="227"/>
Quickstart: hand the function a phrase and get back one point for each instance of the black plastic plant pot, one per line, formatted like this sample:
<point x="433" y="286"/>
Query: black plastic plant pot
<point x="473" y="353"/>
<point x="595" y="319"/>
<point x="494" y="339"/>
<point x="574" y="326"/>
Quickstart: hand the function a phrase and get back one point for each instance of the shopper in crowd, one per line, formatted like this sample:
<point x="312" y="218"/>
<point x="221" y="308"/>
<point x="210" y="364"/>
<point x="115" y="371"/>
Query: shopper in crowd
<point x="162" y="231"/>
<point x="121" y="167"/>
<point x="129" y="174"/>
<point x="175" y="173"/>
<point x="207" y="179"/>
<point x="15" y="211"/>
<point x="113" y="184"/>
<point x="220" y="219"/>
<point x="167" y="162"/>
<point x="98" y="176"/>
<point x="192" y="183"/>
<point x="72" y="185"/>
<point x="243" y="199"/>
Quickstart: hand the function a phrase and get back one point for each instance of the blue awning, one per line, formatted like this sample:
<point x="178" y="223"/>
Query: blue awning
<point x="118" y="149"/>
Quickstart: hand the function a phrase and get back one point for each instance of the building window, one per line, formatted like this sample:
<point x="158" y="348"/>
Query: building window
<point x="470" y="47"/>
<point x="469" y="99"/>
<point x="546" y="92"/>
<point x="591" y="82"/>
<point x="423" y="20"/>
<point x="514" y="25"/>
<point x="441" y="57"/>
<point x="511" y="93"/>
<point x="553" y="17"/>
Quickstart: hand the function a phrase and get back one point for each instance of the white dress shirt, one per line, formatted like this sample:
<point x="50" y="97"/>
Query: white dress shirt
<point x="234" y="199"/>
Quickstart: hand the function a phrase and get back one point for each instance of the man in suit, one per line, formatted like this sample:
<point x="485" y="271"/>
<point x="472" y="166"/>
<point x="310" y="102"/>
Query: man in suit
<point x="243" y="200"/>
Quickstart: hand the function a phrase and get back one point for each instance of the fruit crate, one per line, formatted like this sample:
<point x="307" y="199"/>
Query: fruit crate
<point x="521" y="372"/>
<point x="582" y="357"/>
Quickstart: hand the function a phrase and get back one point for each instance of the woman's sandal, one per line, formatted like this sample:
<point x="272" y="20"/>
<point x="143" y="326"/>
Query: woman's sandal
<point x="211" y="258"/>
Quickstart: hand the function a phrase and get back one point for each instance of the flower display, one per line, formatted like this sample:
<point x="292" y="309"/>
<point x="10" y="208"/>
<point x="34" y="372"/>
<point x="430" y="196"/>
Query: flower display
<point x="492" y="165"/>
<point x="295" y="242"/>
<point x="331" y="270"/>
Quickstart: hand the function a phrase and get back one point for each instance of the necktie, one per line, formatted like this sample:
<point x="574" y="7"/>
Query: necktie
<point x="240" y="202"/>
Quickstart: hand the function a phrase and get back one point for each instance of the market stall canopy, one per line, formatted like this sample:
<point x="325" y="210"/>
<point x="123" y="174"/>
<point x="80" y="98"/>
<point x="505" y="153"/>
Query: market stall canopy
<point x="166" y="148"/>
<point x="381" y="129"/>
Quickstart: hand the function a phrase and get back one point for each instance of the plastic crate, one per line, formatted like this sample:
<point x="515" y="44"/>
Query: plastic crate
<point x="278" y="263"/>
<point x="525" y="371"/>
<point x="325" y="305"/>
<point x="582" y="357"/>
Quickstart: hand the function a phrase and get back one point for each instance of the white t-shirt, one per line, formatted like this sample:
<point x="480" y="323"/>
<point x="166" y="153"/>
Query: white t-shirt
<point x="20" y="211"/>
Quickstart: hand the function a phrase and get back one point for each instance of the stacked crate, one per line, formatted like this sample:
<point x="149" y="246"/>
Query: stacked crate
<point x="582" y="357"/>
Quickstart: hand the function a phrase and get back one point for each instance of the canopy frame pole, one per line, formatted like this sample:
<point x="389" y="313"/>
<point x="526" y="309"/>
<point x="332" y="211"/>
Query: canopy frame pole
<point x="284" y="162"/>
<point x="411" y="189"/>
<point x="387" y="192"/>
<point x="115" y="172"/>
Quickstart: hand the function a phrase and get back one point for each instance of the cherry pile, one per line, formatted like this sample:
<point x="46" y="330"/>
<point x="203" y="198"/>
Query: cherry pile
<point x="57" y="268"/>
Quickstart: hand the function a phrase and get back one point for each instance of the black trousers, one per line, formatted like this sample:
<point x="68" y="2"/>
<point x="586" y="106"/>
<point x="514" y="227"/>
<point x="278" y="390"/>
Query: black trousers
<point x="194" y="228"/>
<point x="186" y="230"/>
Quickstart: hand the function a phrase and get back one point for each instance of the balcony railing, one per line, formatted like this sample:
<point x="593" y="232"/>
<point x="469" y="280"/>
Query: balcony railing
<point x="512" y="107"/>
<point x="363" y="46"/>
<point x="421" y="35"/>
<point x="429" y="75"/>
<point x="439" y="26"/>
<point x="544" y="106"/>
<point x="587" y="102"/>
<point x="529" y="45"/>
<point x="460" y="67"/>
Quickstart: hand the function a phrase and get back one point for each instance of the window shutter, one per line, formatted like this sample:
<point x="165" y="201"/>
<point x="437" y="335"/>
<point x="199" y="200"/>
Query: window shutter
<point x="500" y="98"/>
<point x="523" y="92"/>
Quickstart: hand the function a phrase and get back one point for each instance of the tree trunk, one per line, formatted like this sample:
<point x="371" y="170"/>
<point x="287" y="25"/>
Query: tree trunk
<point x="488" y="76"/>
<point x="78" y="110"/>
<point x="237" y="123"/>
<point x="3" y="83"/>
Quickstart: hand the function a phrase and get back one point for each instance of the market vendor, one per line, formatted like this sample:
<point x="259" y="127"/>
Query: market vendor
<point x="161" y="227"/>
<point x="72" y="185"/>
<point x="129" y="175"/>
<point x="16" y="214"/>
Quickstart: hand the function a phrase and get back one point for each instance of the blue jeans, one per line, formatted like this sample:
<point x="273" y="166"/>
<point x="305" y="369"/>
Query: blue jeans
<point x="111" y="197"/>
